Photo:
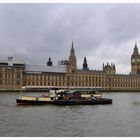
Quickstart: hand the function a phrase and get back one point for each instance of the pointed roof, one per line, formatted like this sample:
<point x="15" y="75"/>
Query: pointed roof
<point x="72" y="43"/>
<point x="135" y="48"/>
<point x="85" y="65"/>
<point x="72" y="51"/>
<point x="85" y="60"/>
<point x="72" y="58"/>
<point x="114" y="67"/>
<point x="72" y="48"/>
<point x="49" y="59"/>
<point x="103" y="65"/>
<point x="135" y="52"/>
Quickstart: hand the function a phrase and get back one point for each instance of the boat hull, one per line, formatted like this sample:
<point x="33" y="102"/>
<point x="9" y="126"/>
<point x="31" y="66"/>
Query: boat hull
<point x="32" y="102"/>
<point x="64" y="102"/>
<point x="83" y="102"/>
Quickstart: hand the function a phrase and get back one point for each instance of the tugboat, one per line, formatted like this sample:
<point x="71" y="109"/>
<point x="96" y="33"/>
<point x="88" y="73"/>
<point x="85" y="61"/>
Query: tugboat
<point x="80" y="98"/>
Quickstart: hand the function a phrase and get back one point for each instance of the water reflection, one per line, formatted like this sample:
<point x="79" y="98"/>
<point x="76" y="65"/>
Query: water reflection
<point x="136" y="103"/>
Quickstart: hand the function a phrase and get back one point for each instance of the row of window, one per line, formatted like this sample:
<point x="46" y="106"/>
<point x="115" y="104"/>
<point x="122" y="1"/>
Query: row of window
<point x="124" y="88"/>
<point x="124" y="85"/>
<point x="10" y="82"/>
<point x="125" y="80"/>
<point x="45" y="77"/>
<point x="82" y="83"/>
<point x="9" y="75"/>
<point x="44" y="83"/>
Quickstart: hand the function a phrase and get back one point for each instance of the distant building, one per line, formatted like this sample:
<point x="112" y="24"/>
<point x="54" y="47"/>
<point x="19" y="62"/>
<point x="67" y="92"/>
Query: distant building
<point x="15" y="73"/>
<point x="12" y="69"/>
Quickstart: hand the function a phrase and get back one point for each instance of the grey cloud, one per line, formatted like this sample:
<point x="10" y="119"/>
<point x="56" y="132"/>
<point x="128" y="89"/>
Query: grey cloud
<point x="102" y="32"/>
<point x="124" y="22"/>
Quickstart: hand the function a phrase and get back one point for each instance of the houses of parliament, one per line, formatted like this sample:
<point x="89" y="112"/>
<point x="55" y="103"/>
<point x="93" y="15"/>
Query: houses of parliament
<point x="15" y="73"/>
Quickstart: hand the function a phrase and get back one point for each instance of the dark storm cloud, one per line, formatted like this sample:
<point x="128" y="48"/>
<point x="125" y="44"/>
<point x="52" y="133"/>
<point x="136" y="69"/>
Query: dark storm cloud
<point x="102" y="32"/>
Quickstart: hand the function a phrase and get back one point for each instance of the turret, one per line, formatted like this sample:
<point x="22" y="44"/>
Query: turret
<point x="103" y="65"/>
<point x="135" y="52"/>
<point x="49" y="63"/>
<point x="72" y="62"/>
<point x="85" y="65"/>
<point x="109" y="69"/>
<point x="135" y="61"/>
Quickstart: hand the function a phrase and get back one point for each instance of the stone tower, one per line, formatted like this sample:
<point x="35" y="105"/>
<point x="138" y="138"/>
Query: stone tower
<point x="85" y="65"/>
<point x="135" y="61"/>
<point x="109" y="69"/>
<point x="72" y="62"/>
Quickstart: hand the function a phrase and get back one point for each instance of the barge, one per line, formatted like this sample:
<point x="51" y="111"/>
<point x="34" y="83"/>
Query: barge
<point x="32" y="100"/>
<point x="71" y="96"/>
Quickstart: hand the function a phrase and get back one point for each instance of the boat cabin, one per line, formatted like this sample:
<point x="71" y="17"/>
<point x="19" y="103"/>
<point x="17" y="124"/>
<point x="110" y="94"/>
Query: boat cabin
<point x="69" y="95"/>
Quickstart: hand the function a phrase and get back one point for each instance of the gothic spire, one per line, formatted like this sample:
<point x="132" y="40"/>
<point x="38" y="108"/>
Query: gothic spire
<point x="72" y="49"/>
<point x="135" y="52"/>
<point x="85" y="65"/>
<point x="114" y="67"/>
<point x="85" y="60"/>
<point x="72" y="57"/>
<point x="135" y="46"/>
<point x="103" y="65"/>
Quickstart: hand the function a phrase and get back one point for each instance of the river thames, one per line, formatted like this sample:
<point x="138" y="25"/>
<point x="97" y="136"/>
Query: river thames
<point x="120" y="119"/>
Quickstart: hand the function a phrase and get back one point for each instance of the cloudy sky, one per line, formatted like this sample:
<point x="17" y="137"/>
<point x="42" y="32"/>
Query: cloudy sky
<point x="101" y="32"/>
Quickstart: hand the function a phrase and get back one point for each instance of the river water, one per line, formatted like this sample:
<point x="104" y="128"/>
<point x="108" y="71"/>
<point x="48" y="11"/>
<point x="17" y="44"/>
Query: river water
<point x="120" y="119"/>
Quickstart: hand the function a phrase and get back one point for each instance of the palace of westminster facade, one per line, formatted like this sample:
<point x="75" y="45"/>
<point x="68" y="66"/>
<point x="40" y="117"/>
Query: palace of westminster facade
<point x="15" y="74"/>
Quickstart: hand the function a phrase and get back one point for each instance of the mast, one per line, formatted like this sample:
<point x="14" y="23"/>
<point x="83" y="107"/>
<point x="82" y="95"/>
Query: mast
<point x="21" y="85"/>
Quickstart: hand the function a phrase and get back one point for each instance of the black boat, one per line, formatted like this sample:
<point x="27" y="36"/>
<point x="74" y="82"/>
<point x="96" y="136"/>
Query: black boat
<point x="83" y="102"/>
<point x="69" y="96"/>
<point x="78" y="98"/>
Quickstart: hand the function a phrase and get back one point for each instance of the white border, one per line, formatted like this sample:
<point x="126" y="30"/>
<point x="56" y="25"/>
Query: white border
<point x="69" y="1"/>
<point x="70" y="138"/>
